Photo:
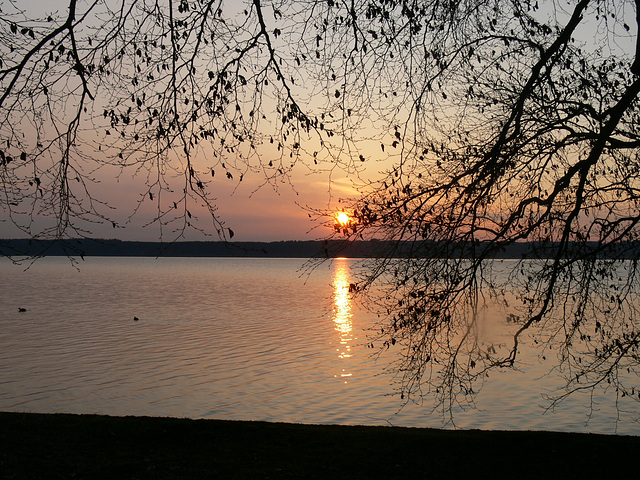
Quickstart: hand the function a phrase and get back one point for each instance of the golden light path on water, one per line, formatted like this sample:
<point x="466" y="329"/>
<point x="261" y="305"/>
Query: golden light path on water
<point x="342" y="312"/>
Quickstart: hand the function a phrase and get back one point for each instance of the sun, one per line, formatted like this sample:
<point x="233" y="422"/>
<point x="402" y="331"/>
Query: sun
<point x="344" y="223"/>
<point x="343" y="219"/>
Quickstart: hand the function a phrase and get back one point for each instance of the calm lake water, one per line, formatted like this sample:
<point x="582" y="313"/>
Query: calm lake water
<point x="229" y="338"/>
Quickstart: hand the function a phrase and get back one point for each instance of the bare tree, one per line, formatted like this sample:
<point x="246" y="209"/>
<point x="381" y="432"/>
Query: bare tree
<point x="506" y="121"/>
<point x="515" y="129"/>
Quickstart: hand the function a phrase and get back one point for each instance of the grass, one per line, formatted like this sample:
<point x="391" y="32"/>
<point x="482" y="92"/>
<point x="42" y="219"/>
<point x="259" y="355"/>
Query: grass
<point x="94" y="446"/>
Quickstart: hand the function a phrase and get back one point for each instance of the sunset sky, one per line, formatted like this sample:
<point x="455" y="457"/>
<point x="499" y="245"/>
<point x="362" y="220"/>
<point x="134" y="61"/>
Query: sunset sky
<point x="255" y="211"/>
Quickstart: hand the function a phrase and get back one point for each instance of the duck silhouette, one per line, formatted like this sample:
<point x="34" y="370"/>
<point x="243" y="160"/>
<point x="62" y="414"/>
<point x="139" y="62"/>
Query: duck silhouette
<point x="20" y="309"/>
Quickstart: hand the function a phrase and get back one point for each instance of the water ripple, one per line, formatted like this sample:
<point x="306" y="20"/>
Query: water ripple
<point x="216" y="338"/>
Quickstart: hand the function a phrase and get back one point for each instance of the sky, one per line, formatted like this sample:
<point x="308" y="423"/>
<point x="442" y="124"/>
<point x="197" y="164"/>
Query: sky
<point x="252" y="211"/>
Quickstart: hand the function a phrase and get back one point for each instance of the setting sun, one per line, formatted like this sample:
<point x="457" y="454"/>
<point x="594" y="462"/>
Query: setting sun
<point x="343" y="219"/>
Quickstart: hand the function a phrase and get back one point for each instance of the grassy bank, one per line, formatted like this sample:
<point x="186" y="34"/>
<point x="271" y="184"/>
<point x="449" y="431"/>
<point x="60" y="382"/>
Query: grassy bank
<point x="93" y="446"/>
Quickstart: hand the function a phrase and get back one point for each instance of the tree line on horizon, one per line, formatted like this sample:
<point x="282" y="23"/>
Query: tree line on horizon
<point x="18" y="249"/>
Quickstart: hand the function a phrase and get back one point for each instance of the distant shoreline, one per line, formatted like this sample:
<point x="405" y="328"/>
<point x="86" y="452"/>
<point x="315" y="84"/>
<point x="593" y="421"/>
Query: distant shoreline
<point x="289" y="249"/>
<point x="99" y="446"/>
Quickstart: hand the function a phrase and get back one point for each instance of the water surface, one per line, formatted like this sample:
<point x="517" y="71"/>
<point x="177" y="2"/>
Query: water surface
<point x="228" y="338"/>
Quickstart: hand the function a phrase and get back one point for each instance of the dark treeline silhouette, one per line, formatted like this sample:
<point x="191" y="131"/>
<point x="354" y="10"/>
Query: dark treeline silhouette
<point x="290" y="249"/>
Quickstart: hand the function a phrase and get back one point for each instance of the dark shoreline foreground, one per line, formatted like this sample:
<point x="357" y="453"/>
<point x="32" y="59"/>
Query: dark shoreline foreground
<point x="94" y="446"/>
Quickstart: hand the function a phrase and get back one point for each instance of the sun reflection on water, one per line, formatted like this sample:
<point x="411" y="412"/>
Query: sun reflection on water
<point x="342" y="312"/>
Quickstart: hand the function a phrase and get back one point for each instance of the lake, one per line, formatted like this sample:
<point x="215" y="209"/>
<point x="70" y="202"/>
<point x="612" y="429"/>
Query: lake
<point x="232" y="338"/>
